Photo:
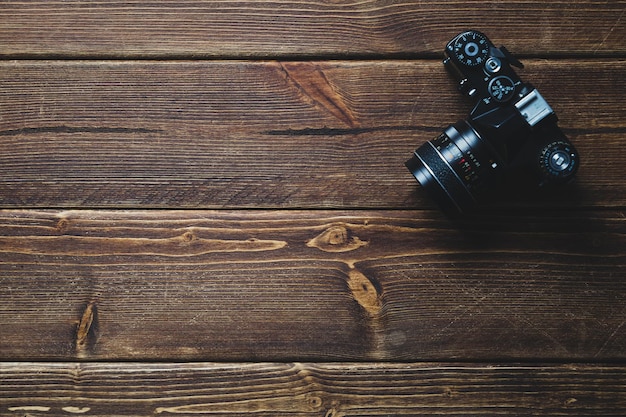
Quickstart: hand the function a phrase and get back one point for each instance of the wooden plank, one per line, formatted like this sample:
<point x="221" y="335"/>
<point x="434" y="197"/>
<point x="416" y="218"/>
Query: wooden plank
<point x="266" y="134"/>
<point x="192" y="28"/>
<point x="272" y="285"/>
<point x="304" y="389"/>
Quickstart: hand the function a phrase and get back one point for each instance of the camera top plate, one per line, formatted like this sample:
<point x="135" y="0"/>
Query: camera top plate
<point x="483" y="71"/>
<point x="485" y="74"/>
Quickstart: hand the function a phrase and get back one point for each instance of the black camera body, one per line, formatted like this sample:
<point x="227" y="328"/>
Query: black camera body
<point x="511" y="137"/>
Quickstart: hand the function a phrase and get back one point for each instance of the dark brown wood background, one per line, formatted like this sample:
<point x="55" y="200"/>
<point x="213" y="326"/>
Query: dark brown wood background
<point x="204" y="210"/>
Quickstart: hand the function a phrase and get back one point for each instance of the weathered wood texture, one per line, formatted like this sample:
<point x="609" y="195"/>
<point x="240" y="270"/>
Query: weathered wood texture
<point x="273" y="285"/>
<point x="303" y="389"/>
<point x="302" y="28"/>
<point x="267" y="134"/>
<point x="313" y="105"/>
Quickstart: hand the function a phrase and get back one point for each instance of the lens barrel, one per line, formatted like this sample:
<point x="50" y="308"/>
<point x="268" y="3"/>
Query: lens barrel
<point x="452" y="167"/>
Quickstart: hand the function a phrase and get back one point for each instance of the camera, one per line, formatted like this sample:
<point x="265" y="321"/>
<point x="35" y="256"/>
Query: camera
<point x="510" y="139"/>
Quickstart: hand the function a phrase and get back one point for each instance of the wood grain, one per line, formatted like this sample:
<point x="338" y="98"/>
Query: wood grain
<point x="234" y="134"/>
<point x="192" y="28"/>
<point x="305" y="389"/>
<point x="273" y="285"/>
<point x="296" y="107"/>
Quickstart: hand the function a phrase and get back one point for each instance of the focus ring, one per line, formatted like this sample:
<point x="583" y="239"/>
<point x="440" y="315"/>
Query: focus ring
<point x="437" y="177"/>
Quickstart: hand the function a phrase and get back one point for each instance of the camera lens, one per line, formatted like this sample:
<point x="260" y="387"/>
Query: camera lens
<point x="452" y="167"/>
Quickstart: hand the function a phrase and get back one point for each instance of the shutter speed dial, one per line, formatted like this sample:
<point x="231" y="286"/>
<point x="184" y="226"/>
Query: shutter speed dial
<point x="558" y="161"/>
<point x="471" y="48"/>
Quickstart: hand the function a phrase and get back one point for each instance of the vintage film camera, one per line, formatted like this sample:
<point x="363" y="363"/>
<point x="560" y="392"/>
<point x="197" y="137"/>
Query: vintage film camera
<point x="511" y="138"/>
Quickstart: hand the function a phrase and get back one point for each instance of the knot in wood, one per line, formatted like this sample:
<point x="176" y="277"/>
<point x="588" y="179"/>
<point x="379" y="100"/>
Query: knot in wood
<point x="337" y="235"/>
<point x="63" y="225"/>
<point x="364" y="292"/>
<point x="336" y="239"/>
<point x="188" y="237"/>
<point x="86" y="329"/>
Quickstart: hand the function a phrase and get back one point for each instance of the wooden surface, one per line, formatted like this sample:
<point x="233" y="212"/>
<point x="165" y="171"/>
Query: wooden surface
<point x="329" y="28"/>
<point x="305" y="389"/>
<point x="204" y="211"/>
<point x="274" y="285"/>
<point x="266" y="134"/>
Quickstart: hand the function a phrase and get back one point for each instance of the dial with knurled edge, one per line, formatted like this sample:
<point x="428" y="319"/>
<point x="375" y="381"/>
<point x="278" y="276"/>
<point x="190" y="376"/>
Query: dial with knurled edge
<point x="471" y="48"/>
<point x="558" y="161"/>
